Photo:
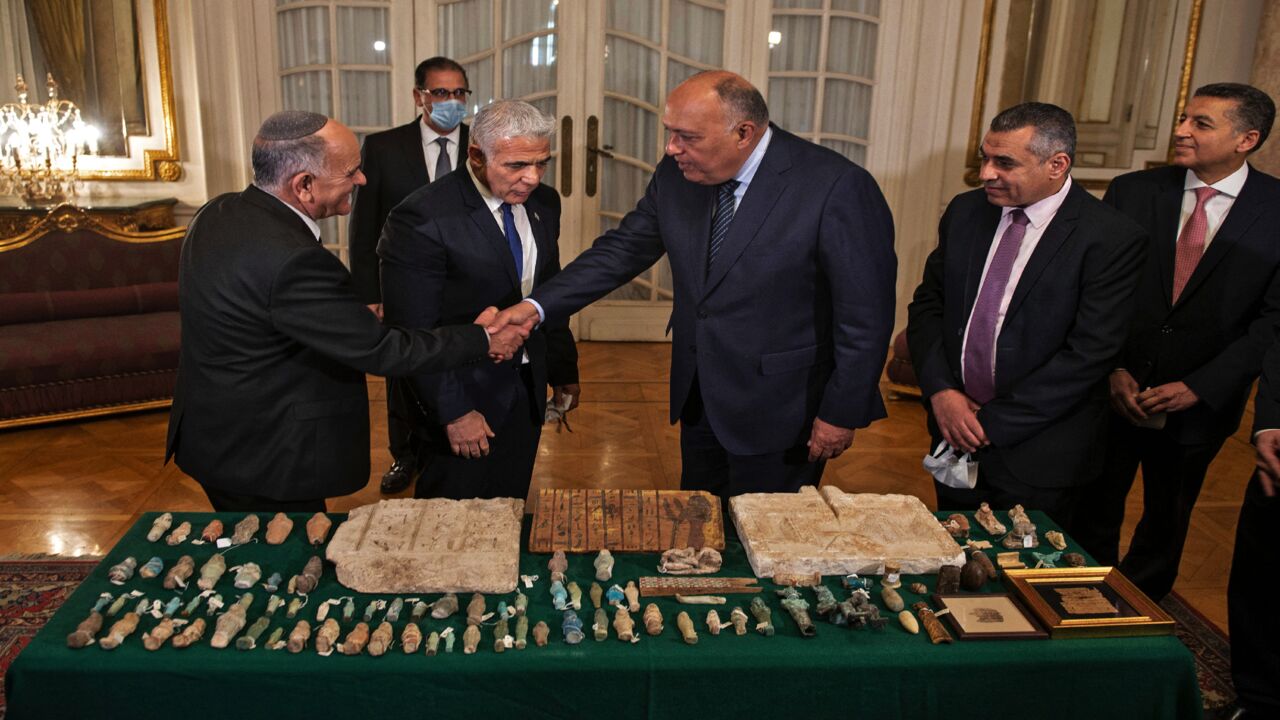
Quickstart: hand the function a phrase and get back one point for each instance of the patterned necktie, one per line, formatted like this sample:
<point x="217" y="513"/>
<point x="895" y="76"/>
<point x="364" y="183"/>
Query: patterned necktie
<point x="1191" y="242"/>
<point x="979" y="356"/>
<point x="513" y="239"/>
<point x="721" y="220"/>
<point x="443" y="166"/>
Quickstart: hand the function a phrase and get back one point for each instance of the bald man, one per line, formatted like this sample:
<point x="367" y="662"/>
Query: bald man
<point x="271" y="410"/>
<point x="782" y="259"/>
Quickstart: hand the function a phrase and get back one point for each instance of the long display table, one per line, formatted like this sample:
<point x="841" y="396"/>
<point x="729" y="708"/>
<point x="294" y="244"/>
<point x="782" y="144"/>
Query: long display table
<point x="843" y="672"/>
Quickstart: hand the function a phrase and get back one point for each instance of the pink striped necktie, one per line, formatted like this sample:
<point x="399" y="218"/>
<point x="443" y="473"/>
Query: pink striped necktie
<point x="980" y="344"/>
<point x="1191" y="242"/>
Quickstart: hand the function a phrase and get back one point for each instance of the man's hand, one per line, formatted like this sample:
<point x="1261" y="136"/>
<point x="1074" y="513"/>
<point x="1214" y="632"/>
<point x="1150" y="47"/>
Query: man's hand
<point x="1124" y="396"/>
<point x="504" y="339"/>
<point x="827" y="441"/>
<point x="1170" y="397"/>
<point x="1268" y="444"/>
<point x="559" y="392"/>
<point x="469" y="435"/>
<point x="956" y="416"/>
<point x="376" y="309"/>
<point x="521" y="313"/>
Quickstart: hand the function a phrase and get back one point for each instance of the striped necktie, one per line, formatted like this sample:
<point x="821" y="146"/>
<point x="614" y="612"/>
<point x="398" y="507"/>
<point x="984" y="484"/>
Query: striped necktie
<point x="721" y="220"/>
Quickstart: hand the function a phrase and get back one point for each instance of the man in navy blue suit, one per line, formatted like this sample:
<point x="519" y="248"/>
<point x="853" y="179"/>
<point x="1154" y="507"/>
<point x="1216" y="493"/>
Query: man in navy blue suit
<point x="782" y="258"/>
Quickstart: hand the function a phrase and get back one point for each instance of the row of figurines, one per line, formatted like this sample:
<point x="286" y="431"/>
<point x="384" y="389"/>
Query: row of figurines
<point x="1022" y="535"/>
<point x="246" y="574"/>
<point x="278" y="530"/>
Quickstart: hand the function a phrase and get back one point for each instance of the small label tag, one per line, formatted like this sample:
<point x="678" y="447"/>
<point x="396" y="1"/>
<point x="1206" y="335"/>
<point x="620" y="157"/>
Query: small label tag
<point x="508" y="642"/>
<point x="446" y="632"/>
<point x="1026" y="541"/>
<point x="943" y="611"/>
<point x="528" y="580"/>
<point x="223" y="543"/>
<point x="892" y="577"/>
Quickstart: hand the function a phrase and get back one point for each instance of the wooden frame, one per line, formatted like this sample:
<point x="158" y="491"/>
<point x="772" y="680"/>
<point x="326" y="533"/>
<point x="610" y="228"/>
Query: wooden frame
<point x="1088" y="602"/>
<point x="1005" y="618"/>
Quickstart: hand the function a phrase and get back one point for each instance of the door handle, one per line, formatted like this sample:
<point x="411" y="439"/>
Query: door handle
<point x="594" y="152"/>
<point x="566" y="156"/>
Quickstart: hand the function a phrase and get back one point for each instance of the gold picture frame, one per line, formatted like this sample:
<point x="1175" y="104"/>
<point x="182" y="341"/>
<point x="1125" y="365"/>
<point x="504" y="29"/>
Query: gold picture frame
<point x="1088" y="602"/>
<point x="988" y="616"/>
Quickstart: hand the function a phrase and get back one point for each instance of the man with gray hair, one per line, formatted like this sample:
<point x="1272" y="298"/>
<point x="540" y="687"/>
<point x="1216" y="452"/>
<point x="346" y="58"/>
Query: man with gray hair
<point x="271" y="410"/>
<point x="474" y="239"/>
<point x="1021" y="313"/>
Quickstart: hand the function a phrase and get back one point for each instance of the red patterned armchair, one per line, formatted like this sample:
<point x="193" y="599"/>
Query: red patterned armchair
<point x="88" y="319"/>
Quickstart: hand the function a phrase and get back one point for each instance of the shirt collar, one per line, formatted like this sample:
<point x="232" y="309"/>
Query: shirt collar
<point x="493" y="202"/>
<point x="429" y="136"/>
<point x="748" y="169"/>
<point x="1042" y="211"/>
<point x="1230" y="185"/>
<point x="312" y="224"/>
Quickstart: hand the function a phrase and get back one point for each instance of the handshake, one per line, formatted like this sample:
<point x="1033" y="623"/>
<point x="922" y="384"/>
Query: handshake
<point x="508" y="329"/>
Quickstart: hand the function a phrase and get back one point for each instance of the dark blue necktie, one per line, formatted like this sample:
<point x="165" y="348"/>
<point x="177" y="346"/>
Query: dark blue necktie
<point x="513" y="239"/>
<point x="721" y="220"/>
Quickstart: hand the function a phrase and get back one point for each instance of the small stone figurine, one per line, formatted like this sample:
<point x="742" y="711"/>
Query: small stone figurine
<point x="739" y="619"/>
<point x="318" y="528"/>
<point x="600" y="626"/>
<point x="615" y="595"/>
<point x="180" y="534"/>
<point x="633" y="596"/>
<point x="309" y="578"/>
<point x="763" y="615"/>
<point x="500" y="631"/>
<point x="191" y="634"/>
<point x="151" y="569"/>
<point x="597" y="595"/>
<point x="327" y="636"/>
<point x="212" y="531"/>
<point x="948" y="579"/>
<point x="212" y="571"/>
<point x="393" y="612"/>
<point x="604" y="566"/>
<point x="411" y="638"/>
<point x="354" y="642"/>
<point x="713" y="622"/>
<point x="522" y="631"/>
<point x="179" y="573"/>
<point x="475" y="609"/>
<point x="572" y="628"/>
<point x="380" y="640"/>
<point x="624" y="627"/>
<point x="575" y="595"/>
<point x="444" y="607"/>
<point x="892" y="599"/>
<point x="988" y="520"/>
<point x="825" y="600"/>
<point x="470" y="639"/>
<point x="278" y="529"/>
<point x="684" y="624"/>
<point x="85" y="631"/>
<point x="541" y="633"/>
<point x="231" y="622"/>
<point x="558" y="564"/>
<point x="798" y="608"/>
<point x="937" y="632"/>
<point x="247" y="576"/>
<point x="122" y="571"/>
<point x="245" y="529"/>
<point x="559" y="596"/>
<point x="249" y="640"/>
<point x="433" y="643"/>
<point x="159" y="527"/>
<point x="652" y="619"/>
<point x="521" y="603"/>
<point x="120" y="630"/>
<point x="299" y="636"/>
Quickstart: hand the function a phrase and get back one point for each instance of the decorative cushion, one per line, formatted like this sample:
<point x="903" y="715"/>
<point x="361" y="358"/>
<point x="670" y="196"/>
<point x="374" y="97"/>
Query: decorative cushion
<point x="38" y="307"/>
<point x="69" y="350"/>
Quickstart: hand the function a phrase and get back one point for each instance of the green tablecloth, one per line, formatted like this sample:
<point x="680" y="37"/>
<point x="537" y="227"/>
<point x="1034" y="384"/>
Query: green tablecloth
<point x="854" y="673"/>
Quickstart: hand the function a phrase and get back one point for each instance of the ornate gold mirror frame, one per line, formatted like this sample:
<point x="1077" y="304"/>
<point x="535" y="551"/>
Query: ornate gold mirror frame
<point x="153" y="156"/>
<point x="979" y="118"/>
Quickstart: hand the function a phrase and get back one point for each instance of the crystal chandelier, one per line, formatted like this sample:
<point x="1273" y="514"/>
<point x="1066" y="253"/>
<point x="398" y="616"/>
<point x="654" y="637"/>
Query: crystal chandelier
<point x="40" y="146"/>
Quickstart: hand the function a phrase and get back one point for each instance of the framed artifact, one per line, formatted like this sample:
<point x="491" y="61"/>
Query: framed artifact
<point x="1088" y="602"/>
<point x="988" y="616"/>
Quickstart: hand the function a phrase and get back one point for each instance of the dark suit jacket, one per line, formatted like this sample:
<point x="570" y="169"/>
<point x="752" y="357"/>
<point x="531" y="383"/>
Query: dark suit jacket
<point x="1266" y="406"/>
<point x="1063" y="329"/>
<point x="793" y="320"/>
<point x="1214" y="339"/>
<point x="444" y="260"/>
<point x="271" y="397"/>
<point x="393" y="166"/>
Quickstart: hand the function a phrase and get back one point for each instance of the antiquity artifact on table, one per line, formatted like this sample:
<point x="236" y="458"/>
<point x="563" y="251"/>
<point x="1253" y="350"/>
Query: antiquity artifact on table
<point x="278" y="529"/>
<point x="179" y="573"/>
<point x="603" y="565"/>
<point x="623" y="626"/>
<point x="151" y="568"/>
<point x="354" y="642"/>
<point x="190" y="635"/>
<point x="433" y="643"/>
<point x="309" y="578"/>
<point x="739" y="619"/>
<point x="180" y="534"/>
<point x="932" y="625"/>
<point x="120" y="630"/>
<point x="575" y="595"/>
<point x="685" y="625"/>
<point x="393" y="612"/>
<point x="798" y="608"/>
<point x="557" y="566"/>
<point x="668" y="586"/>
<point x="892" y="599"/>
<point x="572" y="628"/>
<point x="212" y="531"/>
<point x="444" y="607"/>
<point x="85" y="631"/>
<point x="249" y="640"/>
<point x="231" y="622"/>
<point x="212" y="571"/>
<point x="957" y="525"/>
<point x="159" y="527"/>
<point x="411" y="638"/>
<point x="380" y="640"/>
<point x="475" y="609"/>
<point x="559" y="596"/>
<point x="247" y="576"/>
<point x="763" y="615"/>
<point x="581" y="521"/>
<point x="299" y="636"/>
<point x="122" y="571"/>
<point x="500" y="632"/>
<point x="158" y="635"/>
<point x="908" y="622"/>
<point x="652" y="619"/>
<point x="522" y="631"/>
<point x="1056" y="539"/>
<point x="600" y="625"/>
<point x="597" y="594"/>
<point x="327" y="636"/>
<point x="713" y="622"/>
<point x="245" y="529"/>
<point x="988" y="520"/>
<point x="318" y="528"/>
<point x="632" y="594"/>
<point x="949" y="579"/>
<point x="690" y="561"/>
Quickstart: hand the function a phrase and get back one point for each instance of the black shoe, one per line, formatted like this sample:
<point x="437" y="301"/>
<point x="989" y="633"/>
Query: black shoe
<point x="399" y="477"/>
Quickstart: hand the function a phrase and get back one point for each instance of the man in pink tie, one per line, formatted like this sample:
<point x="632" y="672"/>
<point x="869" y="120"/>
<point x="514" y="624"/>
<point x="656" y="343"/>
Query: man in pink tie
<point x="1021" y="313"/>
<point x="1205" y="313"/>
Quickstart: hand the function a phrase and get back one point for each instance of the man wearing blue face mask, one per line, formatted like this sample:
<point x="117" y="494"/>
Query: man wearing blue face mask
<point x="397" y="162"/>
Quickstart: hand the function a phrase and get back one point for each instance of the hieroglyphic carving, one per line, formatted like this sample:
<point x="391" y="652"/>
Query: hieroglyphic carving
<point x="582" y="521"/>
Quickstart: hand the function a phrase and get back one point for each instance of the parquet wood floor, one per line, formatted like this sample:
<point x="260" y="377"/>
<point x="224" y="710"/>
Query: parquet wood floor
<point x="74" y="488"/>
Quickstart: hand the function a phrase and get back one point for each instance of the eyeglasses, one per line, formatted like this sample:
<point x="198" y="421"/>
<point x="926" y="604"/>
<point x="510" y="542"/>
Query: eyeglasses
<point x="442" y="93"/>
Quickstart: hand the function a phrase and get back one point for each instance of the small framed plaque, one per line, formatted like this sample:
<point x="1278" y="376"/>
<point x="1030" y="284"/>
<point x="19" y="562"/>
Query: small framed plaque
<point x="1088" y="602"/>
<point x="988" y="616"/>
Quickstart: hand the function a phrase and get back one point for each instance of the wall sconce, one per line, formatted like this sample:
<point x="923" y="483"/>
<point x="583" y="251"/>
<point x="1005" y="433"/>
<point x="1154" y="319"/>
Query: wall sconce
<point x="40" y="146"/>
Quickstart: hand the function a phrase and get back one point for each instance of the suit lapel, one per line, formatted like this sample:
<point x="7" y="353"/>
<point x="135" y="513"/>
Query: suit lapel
<point x="1244" y="211"/>
<point x="766" y="188"/>
<point x="1168" y="210"/>
<point x="540" y="239"/>
<point x="987" y="220"/>
<point x="487" y="226"/>
<point x="1060" y="228"/>
<point x="415" y="160"/>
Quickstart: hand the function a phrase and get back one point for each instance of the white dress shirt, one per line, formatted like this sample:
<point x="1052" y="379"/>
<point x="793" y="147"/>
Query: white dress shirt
<point x="528" y="248"/>
<point x="431" y="148"/>
<point x="315" y="226"/>
<point x="1039" y="215"/>
<point x="1216" y="207"/>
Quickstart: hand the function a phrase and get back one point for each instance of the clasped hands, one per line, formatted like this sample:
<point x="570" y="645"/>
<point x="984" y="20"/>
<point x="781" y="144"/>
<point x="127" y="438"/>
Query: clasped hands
<point x="507" y="331"/>
<point x="1136" y="406"/>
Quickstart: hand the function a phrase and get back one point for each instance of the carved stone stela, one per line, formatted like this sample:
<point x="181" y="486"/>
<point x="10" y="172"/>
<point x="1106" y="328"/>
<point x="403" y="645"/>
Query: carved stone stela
<point x="834" y="533"/>
<point x="580" y="521"/>
<point x="428" y="546"/>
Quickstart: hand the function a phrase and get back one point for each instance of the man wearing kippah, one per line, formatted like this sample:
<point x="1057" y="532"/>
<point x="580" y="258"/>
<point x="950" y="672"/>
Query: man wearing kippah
<point x="271" y="411"/>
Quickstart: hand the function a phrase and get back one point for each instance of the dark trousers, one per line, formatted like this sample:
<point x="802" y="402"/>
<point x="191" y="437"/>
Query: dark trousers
<point x="1172" y="474"/>
<point x="505" y="472"/>
<point x="998" y="487"/>
<point x="403" y="415"/>
<point x="1251" y="614"/>
<point x="223" y="501"/>
<point x="707" y="465"/>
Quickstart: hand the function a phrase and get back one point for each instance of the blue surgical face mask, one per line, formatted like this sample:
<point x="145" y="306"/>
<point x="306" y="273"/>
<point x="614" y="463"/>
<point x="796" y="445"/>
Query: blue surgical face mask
<point x="448" y="114"/>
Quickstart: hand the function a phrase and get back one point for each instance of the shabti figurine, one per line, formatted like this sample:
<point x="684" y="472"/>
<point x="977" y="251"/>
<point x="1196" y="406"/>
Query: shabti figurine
<point x="540" y="634"/>
<point x="572" y="628"/>
<point x="475" y="609"/>
<point x="179" y="573"/>
<point x="380" y="640"/>
<point x="327" y="636"/>
<point x="500" y="632"/>
<point x="615" y="595"/>
<point x="623" y="626"/>
<point x="393" y="612"/>
<point x="798" y="608"/>
<point x="908" y="622"/>
<point x="684" y="624"/>
<point x="433" y="643"/>
<point x="310" y="577"/>
<point x="575" y="595"/>
<point x="419" y="611"/>
<point x="597" y="595"/>
<point x="558" y="564"/>
<point x="713" y="622"/>
<point x="295" y="605"/>
<point x="191" y="606"/>
<point x="212" y="531"/>
<point x="1056" y="539"/>
<point x="318" y="528"/>
<point x="411" y="638"/>
<point x="354" y="642"/>
<point x="633" y="596"/>
<point x="231" y="622"/>
<point x="190" y="635"/>
<point x="449" y="638"/>
<point x="151" y="568"/>
<point x="273" y="583"/>
<point x="249" y="640"/>
<point x="171" y="607"/>
<point x="988" y="520"/>
<point x="559" y="596"/>
<point x="652" y="619"/>
<point x="892" y="599"/>
<point x="444" y="607"/>
<point x="180" y="534"/>
<point x="1023" y="535"/>
<point x="278" y="529"/>
<point x="118" y="605"/>
<point x="245" y="529"/>
<point x="521" y="603"/>
<point x="212" y="571"/>
<point x="273" y="604"/>
<point x="825" y="600"/>
<point x="932" y="625"/>
<point x="160" y="527"/>
<point x="299" y="636"/>
<point x="85" y="631"/>
<point x="348" y="610"/>
<point x="214" y="605"/>
<point x="763" y="615"/>
<point x="738" y="618"/>
<point x="122" y="571"/>
<point x="522" y="631"/>
<point x="370" y="609"/>
<point x="948" y="579"/>
<point x="470" y="639"/>
<point x="248" y="576"/>
<point x="273" y="640"/>
<point x="690" y="561"/>
<point x="601" y="625"/>
<point x="120" y="630"/>
<point x="604" y="565"/>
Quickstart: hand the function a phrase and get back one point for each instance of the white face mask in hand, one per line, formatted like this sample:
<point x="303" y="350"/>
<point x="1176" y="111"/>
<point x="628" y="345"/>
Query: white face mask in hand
<point x="952" y="469"/>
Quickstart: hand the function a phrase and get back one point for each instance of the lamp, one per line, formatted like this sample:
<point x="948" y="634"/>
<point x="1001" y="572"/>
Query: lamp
<point x="40" y="146"/>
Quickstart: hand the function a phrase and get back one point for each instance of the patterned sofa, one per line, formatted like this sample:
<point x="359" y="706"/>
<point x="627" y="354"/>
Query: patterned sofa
<point x="88" y="319"/>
